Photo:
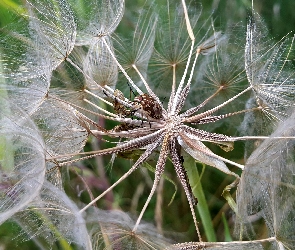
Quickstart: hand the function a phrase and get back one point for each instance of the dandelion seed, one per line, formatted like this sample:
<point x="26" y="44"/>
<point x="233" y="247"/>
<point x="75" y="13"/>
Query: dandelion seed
<point x="113" y="230"/>
<point x="39" y="42"/>
<point x="22" y="160"/>
<point x="97" y="19"/>
<point x="55" y="29"/>
<point x="172" y="45"/>
<point x="100" y="67"/>
<point x="60" y="127"/>
<point x="52" y="216"/>
<point x="267" y="185"/>
<point x="140" y="46"/>
<point x="268" y="69"/>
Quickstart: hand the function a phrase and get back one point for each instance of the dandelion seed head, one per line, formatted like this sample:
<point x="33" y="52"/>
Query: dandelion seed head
<point x="189" y="86"/>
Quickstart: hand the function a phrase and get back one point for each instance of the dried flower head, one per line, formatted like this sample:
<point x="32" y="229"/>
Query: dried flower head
<point x="70" y="77"/>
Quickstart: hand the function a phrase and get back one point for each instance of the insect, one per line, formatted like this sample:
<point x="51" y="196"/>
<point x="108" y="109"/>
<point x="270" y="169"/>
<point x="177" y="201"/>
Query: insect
<point x="144" y="103"/>
<point x="120" y="108"/>
<point x="148" y="105"/>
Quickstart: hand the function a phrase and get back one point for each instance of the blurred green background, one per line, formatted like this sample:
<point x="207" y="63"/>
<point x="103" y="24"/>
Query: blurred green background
<point x="278" y="14"/>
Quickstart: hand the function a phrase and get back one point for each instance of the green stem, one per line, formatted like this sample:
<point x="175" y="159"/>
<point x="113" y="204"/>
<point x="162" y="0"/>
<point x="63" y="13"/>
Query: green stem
<point x="6" y="146"/>
<point x="194" y="181"/>
<point x="227" y="236"/>
<point x="64" y="245"/>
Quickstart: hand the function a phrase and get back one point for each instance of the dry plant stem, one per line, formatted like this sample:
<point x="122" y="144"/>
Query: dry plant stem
<point x="188" y="24"/>
<point x="181" y="174"/>
<point x="213" y="118"/>
<point x="173" y="87"/>
<point x="230" y="162"/>
<point x="195" y="109"/>
<point x="126" y="146"/>
<point x="213" y="155"/>
<point x="176" y="97"/>
<point x="99" y="162"/>
<point x="119" y="119"/>
<point x="192" y="37"/>
<point x="242" y="138"/>
<point x="82" y="118"/>
<point x="99" y="108"/>
<point x="158" y="173"/>
<point x="126" y="134"/>
<point x="121" y="68"/>
<point x="228" y="197"/>
<point x="141" y="141"/>
<point x="159" y="206"/>
<point x="87" y="76"/>
<point x="203" y="245"/>
<point x="185" y="90"/>
<point x="211" y="111"/>
<point x="141" y="159"/>
<point x="150" y="91"/>
<point x="106" y="90"/>
<point x="135" y="198"/>
<point x="98" y="97"/>
<point x="85" y="184"/>
<point x="109" y="88"/>
<point x="147" y="177"/>
<point x="193" y="68"/>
